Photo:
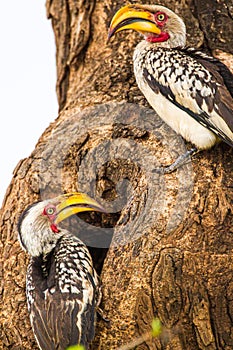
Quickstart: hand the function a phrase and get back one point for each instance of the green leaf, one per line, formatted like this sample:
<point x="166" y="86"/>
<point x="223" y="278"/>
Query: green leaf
<point x="156" y="327"/>
<point x="76" y="347"/>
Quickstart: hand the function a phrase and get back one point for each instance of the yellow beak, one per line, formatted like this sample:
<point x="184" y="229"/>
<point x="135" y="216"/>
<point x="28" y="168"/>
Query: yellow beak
<point x="129" y="17"/>
<point x="73" y="203"/>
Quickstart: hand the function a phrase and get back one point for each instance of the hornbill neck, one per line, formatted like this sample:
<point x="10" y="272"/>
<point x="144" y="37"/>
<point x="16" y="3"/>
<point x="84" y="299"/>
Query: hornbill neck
<point x="176" y="43"/>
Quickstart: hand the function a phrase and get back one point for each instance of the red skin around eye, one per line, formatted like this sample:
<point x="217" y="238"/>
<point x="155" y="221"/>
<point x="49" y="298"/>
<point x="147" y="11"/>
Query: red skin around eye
<point x="50" y="216"/>
<point x="157" y="21"/>
<point x="51" y="219"/>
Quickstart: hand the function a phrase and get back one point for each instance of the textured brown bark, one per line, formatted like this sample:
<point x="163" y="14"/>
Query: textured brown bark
<point x="171" y="251"/>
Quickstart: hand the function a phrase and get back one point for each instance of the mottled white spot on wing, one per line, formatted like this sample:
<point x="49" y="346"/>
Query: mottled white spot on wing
<point x="198" y="85"/>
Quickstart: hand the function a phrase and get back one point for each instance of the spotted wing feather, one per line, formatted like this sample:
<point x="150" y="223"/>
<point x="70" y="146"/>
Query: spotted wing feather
<point x="214" y="65"/>
<point x="197" y="87"/>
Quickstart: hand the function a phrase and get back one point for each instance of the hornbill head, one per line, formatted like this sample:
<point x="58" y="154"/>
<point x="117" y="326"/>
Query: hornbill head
<point x="156" y="23"/>
<point x="38" y="226"/>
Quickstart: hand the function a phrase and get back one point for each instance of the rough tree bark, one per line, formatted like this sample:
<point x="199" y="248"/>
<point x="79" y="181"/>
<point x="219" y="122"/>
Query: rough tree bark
<point x="171" y="250"/>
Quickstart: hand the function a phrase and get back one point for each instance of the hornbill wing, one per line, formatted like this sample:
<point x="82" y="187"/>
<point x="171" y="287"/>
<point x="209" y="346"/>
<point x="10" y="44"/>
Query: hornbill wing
<point x="60" y="319"/>
<point x="54" y="321"/>
<point x="213" y="65"/>
<point x="200" y="92"/>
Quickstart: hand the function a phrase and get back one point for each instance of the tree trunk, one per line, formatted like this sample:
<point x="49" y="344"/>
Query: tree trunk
<point x="170" y="236"/>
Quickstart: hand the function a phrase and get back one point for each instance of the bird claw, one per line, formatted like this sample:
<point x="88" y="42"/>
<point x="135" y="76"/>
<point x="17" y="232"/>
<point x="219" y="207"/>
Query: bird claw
<point x="180" y="161"/>
<point x="164" y="170"/>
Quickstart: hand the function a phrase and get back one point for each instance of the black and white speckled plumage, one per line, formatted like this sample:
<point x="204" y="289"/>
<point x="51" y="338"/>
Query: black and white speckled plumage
<point x="189" y="90"/>
<point x="197" y="103"/>
<point x="62" y="295"/>
<point x="62" y="286"/>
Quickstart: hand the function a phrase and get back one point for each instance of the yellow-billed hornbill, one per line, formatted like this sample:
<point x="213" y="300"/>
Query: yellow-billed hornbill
<point x="62" y="285"/>
<point x="191" y="91"/>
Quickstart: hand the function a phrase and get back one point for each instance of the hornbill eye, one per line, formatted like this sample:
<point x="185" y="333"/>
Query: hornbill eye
<point x="160" y="17"/>
<point x="50" y="210"/>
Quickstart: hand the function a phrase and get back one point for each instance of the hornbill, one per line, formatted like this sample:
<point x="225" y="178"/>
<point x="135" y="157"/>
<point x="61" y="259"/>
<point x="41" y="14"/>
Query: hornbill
<point x="62" y="285"/>
<point x="191" y="91"/>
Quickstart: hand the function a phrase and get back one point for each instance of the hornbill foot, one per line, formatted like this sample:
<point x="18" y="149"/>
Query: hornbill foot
<point x="181" y="160"/>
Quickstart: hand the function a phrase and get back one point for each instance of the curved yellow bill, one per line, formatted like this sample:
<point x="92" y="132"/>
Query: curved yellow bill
<point x="129" y="17"/>
<point x="73" y="203"/>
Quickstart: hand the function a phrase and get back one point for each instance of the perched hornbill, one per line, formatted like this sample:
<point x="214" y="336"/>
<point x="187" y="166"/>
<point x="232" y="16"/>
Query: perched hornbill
<point x="191" y="91"/>
<point x="62" y="286"/>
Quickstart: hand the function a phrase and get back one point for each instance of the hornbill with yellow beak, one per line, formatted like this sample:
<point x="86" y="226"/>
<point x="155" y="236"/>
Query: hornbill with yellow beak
<point x="62" y="285"/>
<point x="191" y="91"/>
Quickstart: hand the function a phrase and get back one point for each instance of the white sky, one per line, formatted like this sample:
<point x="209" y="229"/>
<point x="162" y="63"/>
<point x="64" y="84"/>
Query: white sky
<point x="28" y="100"/>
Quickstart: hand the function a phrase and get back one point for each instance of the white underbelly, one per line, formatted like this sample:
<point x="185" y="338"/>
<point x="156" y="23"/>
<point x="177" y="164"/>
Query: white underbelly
<point x="180" y="121"/>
